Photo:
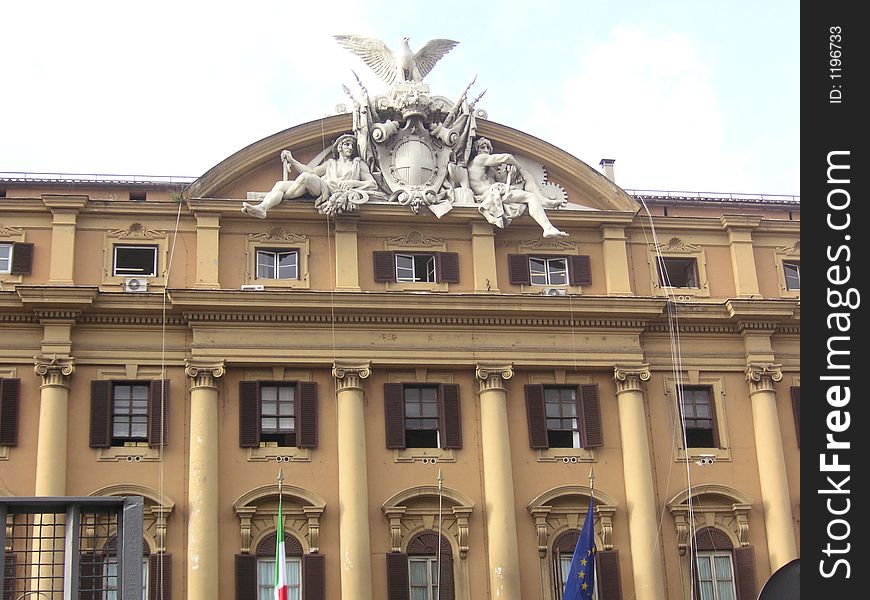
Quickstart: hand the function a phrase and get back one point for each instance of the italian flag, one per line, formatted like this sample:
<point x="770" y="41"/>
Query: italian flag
<point x="280" y="559"/>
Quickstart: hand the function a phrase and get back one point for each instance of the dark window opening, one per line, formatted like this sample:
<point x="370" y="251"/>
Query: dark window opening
<point x="563" y="423"/>
<point x="138" y="195"/>
<point x="421" y="416"/>
<point x="137" y="261"/>
<point x="699" y="416"/>
<point x="678" y="272"/>
<point x="415" y="267"/>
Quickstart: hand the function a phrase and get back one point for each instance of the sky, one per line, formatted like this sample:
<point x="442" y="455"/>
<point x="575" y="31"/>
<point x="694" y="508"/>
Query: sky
<point x="683" y="95"/>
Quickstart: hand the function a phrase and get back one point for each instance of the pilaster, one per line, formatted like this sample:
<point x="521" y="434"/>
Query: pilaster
<point x="207" y="249"/>
<point x="483" y="254"/>
<point x="739" y="228"/>
<point x="346" y="254"/>
<point x="616" y="273"/>
<point x="64" y="213"/>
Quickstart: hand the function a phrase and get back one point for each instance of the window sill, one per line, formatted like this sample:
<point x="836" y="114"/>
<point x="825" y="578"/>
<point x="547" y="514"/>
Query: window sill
<point x="4" y="452"/>
<point x="685" y="292"/>
<point x="536" y="289"/>
<point x="128" y="454"/>
<point x="718" y="454"/>
<point x="279" y="454"/>
<point x="416" y="286"/>
<point x="284" y="284"/>
<point x="424" y="455"/>
<point x="568" y="455"/>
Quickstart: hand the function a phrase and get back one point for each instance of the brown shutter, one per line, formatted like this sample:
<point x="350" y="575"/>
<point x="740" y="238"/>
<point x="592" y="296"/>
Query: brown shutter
<point x="394" y="412"/>
<point x="518" y="269"/>
<point x="249" y="414"/>
<point x="593" y="436"/>
<point x="398" y="584"/>
<point x="447" y="267"/>
<point x="246" y="577"/>
<point x="313" y="577"/>
<point x="579" y="270"/>
<point x="158" y="413"/>
<point x="451" y="416"/>
<point x="9" y="582"/>
<point x="536" y="417"/>
<point x="22" y="258"/>
<point x="101" y="414"/>
<point x="385" y="265"/>
<point x="744" y="571"/>
<point x="609" y="586"/>
<point x="160" y="577"/>
<point x="9" y="403"/>
<point x="796" y="408"/>
<point x="306" y="419"/>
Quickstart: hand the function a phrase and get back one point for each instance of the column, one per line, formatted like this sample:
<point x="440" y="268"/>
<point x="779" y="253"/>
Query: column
<point x="483" y="251"/>
<point x="207" y="249"/>
<point x="739" y="230"/>
<point x="646" y="560"/>
<point x="346" y="256"/>
<point x="353" y="495"/>
<point x="202" y="487"/>
<point x="616" y="273"/>
<point x="53" y="408"/>
<point x="64" y="213"/>
<point x="498" y="483"/>
<point x="775" y="499"/>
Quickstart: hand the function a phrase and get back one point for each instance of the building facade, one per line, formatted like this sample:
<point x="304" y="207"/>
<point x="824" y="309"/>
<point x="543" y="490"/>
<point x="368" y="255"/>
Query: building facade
<point x="434" y="388"/>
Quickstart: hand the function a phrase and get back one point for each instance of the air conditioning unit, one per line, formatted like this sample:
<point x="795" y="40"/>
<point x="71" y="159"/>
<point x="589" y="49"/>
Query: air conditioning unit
<point x="554" y="291"/>
<point x="135" y="284"/>
<point x="253" y="287"/>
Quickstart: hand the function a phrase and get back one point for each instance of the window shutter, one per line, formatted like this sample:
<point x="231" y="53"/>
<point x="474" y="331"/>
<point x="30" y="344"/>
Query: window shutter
<point x="796" y="407"/>
<point x="744" y="571"/>
<point x="9" y="591"/>
<point x="385" y="265"/>
<point x="249" y="414"/>
<point x="609" y="586"/>
<point x="313" y="577"/>
<point x="306" y="419"/>
<point x="22" y="258"/>
<point x="101" y="414"/>
<point x="447" y="267"/>
<point x="158" y="413"/>
<point x="160" y="577"/>
<point x="536" y="416"/>
<point x="9" y="402"/>
<point x="518" y="269"/>
<point x="593" y="436"/>
<point x="394" y="412"/>
<point x="445" y="577"/>
<point x="451" y="416"/>
<point x="579" y="270"/>
<point x="246" y="577"/>
<point x="398" y="584"/>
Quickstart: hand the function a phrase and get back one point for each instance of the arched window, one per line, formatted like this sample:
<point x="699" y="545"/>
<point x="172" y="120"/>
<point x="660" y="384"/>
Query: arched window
<point x="721" y="572"/>
<point x="266" y="567"/>
<point x="414" y="575"/>
<point x="98" y="574"/>
<point x="563" y="552"/>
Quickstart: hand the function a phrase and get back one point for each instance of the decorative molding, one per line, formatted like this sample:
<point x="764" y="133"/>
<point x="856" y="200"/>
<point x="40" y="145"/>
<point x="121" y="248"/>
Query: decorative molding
<point x="553" y="513"/>
<point x="203" y="373"/>
<point x="136" y="231"/>
<point x="158" y="507"/>
<point x="724" y="507"/>
<point x="794" y="250"/>
<point x="54" y="370"/>
<point x="257" y="511"/>
<point x="416" y="509"/>
<point x="278" y="234"/>
<point x="675" y="245"/>
<point x="414" y="238"/>
<point x="762" y="375"/>
<point x="11" y="231"/>
<point x="550" y="243"/>
<point x="628" y="379"/>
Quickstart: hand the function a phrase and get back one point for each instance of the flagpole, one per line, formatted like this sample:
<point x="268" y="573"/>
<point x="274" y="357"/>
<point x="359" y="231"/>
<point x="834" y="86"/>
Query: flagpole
<point x="440" y="495"/>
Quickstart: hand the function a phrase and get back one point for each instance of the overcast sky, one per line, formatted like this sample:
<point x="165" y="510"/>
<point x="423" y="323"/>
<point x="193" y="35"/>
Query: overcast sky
<point x="684" y="95"/>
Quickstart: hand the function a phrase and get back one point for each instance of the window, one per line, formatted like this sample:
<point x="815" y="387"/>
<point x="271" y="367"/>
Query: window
<point x="127" y="413"/>
<point x="678" y="272"/>
<point x="422" y="267"/>
<point x="99" y="580"/>
<point x="699" y="416"/>
<point x="715" y="575"/>
<point x="422" y="416"/>
<point x="135" y="261"/>
<point x="16" y="258"/>
<point x="9" y="391"/>
<point x="277" y="264"/>
<point x="563" y="416"/>
<point x="572" y="269"/>
<point x="110" y="577"/>
<point x="255" y="572"/>
<point x="718" y="570"/>
<point x="563" y="553"/>
<point x="792" y="270"/>
<point x="282" y="414"/>
<point x="796" y="409"/>
<point x="416" y="575"/>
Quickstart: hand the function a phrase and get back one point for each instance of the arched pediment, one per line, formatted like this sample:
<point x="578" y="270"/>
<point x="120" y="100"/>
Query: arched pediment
<point x="257" y="166"/>
<point x="134" y="489"/>
<point x="408" y="496"/>
<point x="724" y="493"/>
<point x="264" y="492"/>
<point x="561" y="491"/>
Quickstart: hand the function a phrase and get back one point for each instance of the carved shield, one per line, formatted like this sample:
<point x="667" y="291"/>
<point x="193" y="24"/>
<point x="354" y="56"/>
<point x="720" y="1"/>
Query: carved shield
<point x="412" y="160"/>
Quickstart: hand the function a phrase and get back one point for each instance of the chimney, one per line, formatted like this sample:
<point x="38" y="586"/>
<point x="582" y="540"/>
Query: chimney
<point x="606" y="165"/>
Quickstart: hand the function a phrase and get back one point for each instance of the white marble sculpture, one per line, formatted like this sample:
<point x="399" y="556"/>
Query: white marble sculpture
<point x="404" y="65"/>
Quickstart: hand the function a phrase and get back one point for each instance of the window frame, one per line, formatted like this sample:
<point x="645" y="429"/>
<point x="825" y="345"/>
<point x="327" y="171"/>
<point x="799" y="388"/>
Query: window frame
<point x="441" y="267"/>
<point x="692" y="394"/>
<point x="721" y="452"/>
<point x="677" y="249"/>
<point x="275" y="254"/>
<point x="7" y="260"/>
<point x="711" y="555"/>
<point x="577" y="270"/>
<point x="273" y="434"/>
<point x="20" y="255"/>
<point x="548" y="271"/>
<point x="102" y="419"/>
<point x="136" y="234"/>
<point x="577" y="432"/>
<point x="449" y="436"/>
<point x="432" y="578"/>
<point x="116" y="270"/>
<point x="131" y="415"/>
<point x="588" y="411"/>
<point x="268" y="591"/>
<point x="278" y="239"/>
<point x="305" y="420"/>
<point x="795" y="267"/>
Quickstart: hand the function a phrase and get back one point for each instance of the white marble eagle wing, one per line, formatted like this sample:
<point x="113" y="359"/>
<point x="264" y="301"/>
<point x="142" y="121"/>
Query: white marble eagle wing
<point x="374" y="53"/>
<point x="431" y="53"/>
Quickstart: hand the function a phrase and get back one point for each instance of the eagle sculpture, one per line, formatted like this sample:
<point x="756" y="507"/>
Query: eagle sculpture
<point x="403" y="65"/>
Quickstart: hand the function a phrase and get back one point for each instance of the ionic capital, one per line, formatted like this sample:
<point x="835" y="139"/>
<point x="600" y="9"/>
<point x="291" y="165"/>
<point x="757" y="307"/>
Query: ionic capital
<point x="628" y="379"/>
<point x="762" y="376"/>
<point x="350" y="375"/>
<point x="54" y="370"/>
<point x="491" y="376"/>
<point x="204" y="373"/>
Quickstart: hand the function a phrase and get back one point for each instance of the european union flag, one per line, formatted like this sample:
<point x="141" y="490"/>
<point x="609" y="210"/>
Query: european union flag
<point x="581" y="577"/>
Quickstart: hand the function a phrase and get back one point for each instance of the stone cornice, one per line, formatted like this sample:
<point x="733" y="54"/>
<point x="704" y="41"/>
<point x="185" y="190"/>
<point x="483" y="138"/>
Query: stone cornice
<point x="62" y="299"/>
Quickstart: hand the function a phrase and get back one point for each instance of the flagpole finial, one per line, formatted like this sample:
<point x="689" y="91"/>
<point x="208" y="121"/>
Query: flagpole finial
<point x="280" y="476"/>
<point x="592" y="477"/>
